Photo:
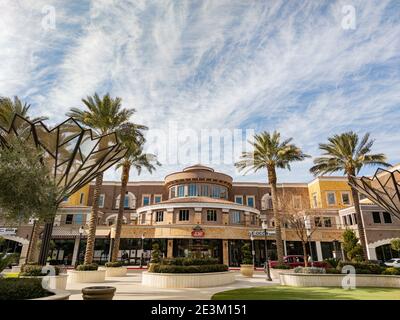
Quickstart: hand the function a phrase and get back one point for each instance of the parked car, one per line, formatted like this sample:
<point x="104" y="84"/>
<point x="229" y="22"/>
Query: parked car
<point x="294" y="261"/>
<point x="395" y="262"/>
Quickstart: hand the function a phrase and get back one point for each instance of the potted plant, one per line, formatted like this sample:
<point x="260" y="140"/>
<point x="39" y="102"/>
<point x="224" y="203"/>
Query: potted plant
<point x="87" y="273"/>
<point x="50" y="275"/>
<point x="247" y="266"/>
<point x="115" y="269"/>
<point x="98" y="293"/>
<point x="155" y="257"/>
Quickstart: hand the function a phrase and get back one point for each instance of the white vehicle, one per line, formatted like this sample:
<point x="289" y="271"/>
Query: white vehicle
<point x="395" y="262"/>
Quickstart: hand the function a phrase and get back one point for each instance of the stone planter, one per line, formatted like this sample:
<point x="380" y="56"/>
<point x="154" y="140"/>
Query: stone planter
<point x="93" y="276"/>
<point x="275" y="273"/>
<point x="116" y="271"/>
<point x="187" y="280"/>
<point x="53" y="282"/>
<point x="337" y="280"/>
<point x="247" y="270"/>
<point x="98" y="293"/>
<point x="58" y="295"/>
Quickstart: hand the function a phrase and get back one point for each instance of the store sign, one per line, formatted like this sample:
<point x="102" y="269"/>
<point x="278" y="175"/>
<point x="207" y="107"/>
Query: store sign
<point x="8" y="231"/>
<point x="198" y="232"/>
<point x="261" y="233"/>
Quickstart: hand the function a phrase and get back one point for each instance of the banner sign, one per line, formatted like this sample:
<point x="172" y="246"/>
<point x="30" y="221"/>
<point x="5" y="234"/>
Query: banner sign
<point x="261" y="233"/>
<point x="8" y="231"/>
<point x="198" y="232"/>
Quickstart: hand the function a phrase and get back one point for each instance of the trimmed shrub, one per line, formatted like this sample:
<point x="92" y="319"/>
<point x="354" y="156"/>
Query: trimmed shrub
<point x="189" y="261"/>
<point x="312" y="270"/>
<point x="247" y="256"/>
<point x="282" y="266"/>
<point x="155" y="253"/>
<point x="115" y="264"/>
<point x="391" y="271"/>
<point x="190" y="269"/>
<point x="20" y="289"/>
<point x="35" y="270"/>
<point x="332" y="271"/>
<point x="332" y="262"/>
<point x="361" y="267"/>
<point x="87" y="267"/>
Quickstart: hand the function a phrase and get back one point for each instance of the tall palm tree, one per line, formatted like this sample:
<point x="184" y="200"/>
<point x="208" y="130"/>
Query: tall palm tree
<point x="134" y="157"/>
<point x="345" y="152"/>
<point x="9" y="107"/>
<point x="271" y="153"/>
<point x="103" y="115"/>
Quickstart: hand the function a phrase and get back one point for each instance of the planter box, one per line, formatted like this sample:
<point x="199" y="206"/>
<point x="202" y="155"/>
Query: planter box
<point x="54" y="282"/>
<point x="187" y="280"/>
<point x="335" y="280"/>
<point x="247" y="270"/>
<point x="58" y="295"/>
<point x="87" y="276"/>
<point x="275" y="273"/>
<point x="116" y="272"/>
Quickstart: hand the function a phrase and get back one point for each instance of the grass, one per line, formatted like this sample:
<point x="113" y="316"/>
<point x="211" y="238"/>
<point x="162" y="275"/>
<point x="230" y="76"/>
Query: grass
<point x="308" y="293"/>
<point x="11" y="275"/>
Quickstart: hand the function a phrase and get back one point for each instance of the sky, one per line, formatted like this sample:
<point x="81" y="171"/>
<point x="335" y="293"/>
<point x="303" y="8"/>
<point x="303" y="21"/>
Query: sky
<point x="308" y="69"/>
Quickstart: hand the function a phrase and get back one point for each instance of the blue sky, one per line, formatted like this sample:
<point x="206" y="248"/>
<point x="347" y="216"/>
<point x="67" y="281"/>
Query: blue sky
<point x="262" y="65"/>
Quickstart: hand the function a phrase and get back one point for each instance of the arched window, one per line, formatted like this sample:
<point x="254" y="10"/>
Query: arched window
<point x="112" y="219"/>
<point x="129" y="201"/>
<point x="266" y="201"/>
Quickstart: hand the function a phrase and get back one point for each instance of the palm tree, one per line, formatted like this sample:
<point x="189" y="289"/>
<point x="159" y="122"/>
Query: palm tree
<point x="134" y="157"/>
<point x="9" y="107"/>
<point x="271" y="153"/>
<point x="103" y="115"/>
<point x="345" y="152"/>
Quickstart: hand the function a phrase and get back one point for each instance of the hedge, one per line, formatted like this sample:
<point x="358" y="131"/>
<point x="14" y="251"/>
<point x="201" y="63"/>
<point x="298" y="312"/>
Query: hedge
<point x="87" y="267"/>
<point x="190" y="269"/>
<point x="311" y="270"/>
<point x="34" y="270"/>
<point x="362" y="267"/>
<point x="189" y="261"/>
<point x="22" y="288"/>
<point x="115" y="264"/>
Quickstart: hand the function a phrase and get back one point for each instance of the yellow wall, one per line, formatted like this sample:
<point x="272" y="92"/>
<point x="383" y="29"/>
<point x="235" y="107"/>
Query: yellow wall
<point x="74" y="199"/>
<point x="322" y="186"/>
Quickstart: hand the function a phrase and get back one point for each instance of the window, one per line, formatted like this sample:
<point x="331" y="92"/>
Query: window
<point x="376" y="217"/>
<point x="159" y="216"/>
<point x="215" y="191"/>
<point x="250" y="201"/>
<point x="344" y="220"/>
<point x="239" y="199"/>
<point x="297" y="202"/>
<point x="211" y="215"/>
<point x="157" y="198"/>
<point x="331" y="198"/>
<point x="346" y="198"/>
<point x="355" y="218"/>
<point x="69" y="218"/>
<point x="350" y="219"/>
<point x="266" y="202"/>
<point x="327" y="222"/>
<point x="81" y="198"/>
<point x="184" y="215"/>
<point x="126" y="202"/>
<point x="204" y="190"/>
<point x="192" y="190"/>
<point x="146" y="200"/>
<point x="172" y="192"/>
<point x="143" y="218"/>
<point x="387" y="218"/>
<point x="181" y="191"/>
<point x="235" y="216"/>
<point x="315" y="200"/>
<point x="253" y="219"/>
<point x="65" y="199"/>
<point x="101" y="200"/>
<point x="318" y="222"/>
<point x="78" y="218"/>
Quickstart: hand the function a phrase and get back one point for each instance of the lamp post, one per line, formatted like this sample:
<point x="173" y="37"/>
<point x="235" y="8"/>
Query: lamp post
<point x="80" y="233"/>
<point x="252" y="249"/>
<point x="141" y="256"/>
<point x="266" y="267"/>
<point x="307" y="224"/>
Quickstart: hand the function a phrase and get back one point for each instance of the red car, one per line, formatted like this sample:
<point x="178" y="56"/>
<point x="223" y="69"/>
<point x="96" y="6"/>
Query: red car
<point x="294" y="261"/>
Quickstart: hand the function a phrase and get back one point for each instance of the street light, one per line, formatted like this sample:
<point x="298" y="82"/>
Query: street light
<point x="266" y="267"/>
<point x="141" y="257"/>
<point x="252" y="248"/>
<point x="80" y="233"/>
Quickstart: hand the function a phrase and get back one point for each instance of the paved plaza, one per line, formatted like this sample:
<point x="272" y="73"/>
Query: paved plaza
<point x="130" y="288"/>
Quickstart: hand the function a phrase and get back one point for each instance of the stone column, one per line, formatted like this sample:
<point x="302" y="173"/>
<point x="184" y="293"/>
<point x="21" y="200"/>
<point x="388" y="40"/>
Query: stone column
<point x="75" y="252"/>
<point x="372" y="254"/>
<point x="170" y="248"/>
<point x="284" y="248"/>
<point x="225" y="252"/>
<point x="319" y="250"/>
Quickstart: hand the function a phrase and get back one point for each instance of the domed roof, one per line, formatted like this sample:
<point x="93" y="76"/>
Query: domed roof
<point x="198" y="167"/>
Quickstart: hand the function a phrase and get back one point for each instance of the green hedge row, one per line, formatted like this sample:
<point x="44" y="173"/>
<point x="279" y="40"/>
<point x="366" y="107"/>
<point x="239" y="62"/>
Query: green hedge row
<point x="189" y="261"/>
<point x="22" y="288"/>
<point x="34" y="270"/>
<point x="160" y="268"/>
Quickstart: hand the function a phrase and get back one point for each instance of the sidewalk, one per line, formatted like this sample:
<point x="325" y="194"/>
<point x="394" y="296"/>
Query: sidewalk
<point x="130" y="288"/>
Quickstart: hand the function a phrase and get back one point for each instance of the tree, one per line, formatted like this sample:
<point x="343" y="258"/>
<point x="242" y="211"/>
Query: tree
<point x="352" y="249"/>
<point x="103" y="115"/>
<point x="131" y="138"/>
<point x="345" y="152"/>
<point x="247" y="257"/>
<point x="271" y="153"/>
<point x="395" y="244"/>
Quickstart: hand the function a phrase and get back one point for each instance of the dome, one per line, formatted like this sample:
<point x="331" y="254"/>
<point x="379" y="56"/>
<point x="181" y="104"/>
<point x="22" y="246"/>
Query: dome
<point x="198" y="167"/>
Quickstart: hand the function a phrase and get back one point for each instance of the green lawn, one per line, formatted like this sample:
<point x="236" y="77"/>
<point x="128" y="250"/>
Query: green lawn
<point x="308" y="293"/>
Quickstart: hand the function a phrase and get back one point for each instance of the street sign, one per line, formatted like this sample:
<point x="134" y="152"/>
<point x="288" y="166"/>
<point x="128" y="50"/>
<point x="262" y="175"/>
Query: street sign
<point x="8" y="231"/>
<point x="261" y="233"/>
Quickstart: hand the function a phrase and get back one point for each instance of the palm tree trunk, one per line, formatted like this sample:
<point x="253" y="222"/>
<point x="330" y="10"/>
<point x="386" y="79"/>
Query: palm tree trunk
<point x="305" y="254"/>
<point x="31" y="256"/>
<point x="360" y="224"/>
<point x="93" y="220"/>
<point x="118" y="228"/>
<point x="278" y="232"/>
